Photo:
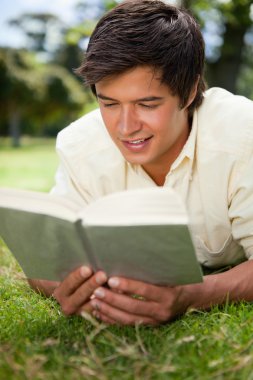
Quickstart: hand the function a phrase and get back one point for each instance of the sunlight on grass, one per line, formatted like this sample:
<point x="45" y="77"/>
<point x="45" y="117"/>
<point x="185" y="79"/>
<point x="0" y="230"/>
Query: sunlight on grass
<point x="32" y="166"/>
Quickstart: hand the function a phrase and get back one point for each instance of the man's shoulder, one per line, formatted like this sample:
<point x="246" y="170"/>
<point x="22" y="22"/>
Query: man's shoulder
<point x="89" y="130"/>
<point x="219" y="100"/>
<point x="225" y="121"/>
<point x="86" y="142"/>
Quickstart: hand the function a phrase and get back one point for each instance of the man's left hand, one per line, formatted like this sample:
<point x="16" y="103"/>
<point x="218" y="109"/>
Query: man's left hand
<point x="130" y="302"/>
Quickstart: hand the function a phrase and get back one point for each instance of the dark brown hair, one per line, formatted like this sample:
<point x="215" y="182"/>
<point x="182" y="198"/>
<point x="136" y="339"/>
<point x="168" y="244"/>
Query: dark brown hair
<point x="148" y="32"/>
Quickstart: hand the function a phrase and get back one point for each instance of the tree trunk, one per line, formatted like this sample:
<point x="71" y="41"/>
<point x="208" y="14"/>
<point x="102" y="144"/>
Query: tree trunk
<point x="225" y="71"/>
<point x="14" y="126"/>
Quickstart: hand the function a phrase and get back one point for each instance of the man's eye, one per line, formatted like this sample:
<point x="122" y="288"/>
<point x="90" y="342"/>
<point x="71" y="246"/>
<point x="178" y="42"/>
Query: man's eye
<point x="150" y="106"/>
<point x="107" y="105"/>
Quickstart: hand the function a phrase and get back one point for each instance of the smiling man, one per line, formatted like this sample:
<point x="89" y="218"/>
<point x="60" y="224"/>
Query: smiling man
<point x="157" y="126"/>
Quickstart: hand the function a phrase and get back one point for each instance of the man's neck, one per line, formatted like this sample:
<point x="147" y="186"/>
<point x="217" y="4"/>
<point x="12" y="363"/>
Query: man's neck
<point x="158" y="169"/>
<point x="158" y="175"/>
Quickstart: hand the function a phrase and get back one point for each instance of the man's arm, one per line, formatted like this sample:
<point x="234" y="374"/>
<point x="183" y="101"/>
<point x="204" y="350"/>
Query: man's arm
<point x="233" y="285"/>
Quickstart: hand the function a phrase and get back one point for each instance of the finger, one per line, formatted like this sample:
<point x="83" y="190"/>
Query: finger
<point x="73" y="281"/>
<point x="87" y="309"/>
<point x="142" y="310"/>
<point x="129" y="286"/>
<point x="86" y="290"/>
<point x="108" y="313"/>
<point x="73" y="303"/>
<point x="103" y="318"/>
<point x="124" y="302"/>
<point x="160" y="312"/>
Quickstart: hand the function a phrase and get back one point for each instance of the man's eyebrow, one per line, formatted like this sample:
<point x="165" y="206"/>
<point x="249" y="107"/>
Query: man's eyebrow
<point x="150" y="99"/>
<point x="103" y="97"/>
<point x="145" y="99"/>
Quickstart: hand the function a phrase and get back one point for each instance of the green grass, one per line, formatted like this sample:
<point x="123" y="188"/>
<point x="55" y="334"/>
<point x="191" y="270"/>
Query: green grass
<point x="37" y="342"/>
<point x="30" y="167"/>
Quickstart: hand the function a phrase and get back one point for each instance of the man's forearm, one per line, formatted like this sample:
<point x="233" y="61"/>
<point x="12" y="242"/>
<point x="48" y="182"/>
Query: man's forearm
<point x="233" y="285"/>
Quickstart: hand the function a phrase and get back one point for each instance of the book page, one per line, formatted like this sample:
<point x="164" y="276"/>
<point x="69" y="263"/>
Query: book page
<point x="156" y="205"/>
<point x="41" y="203"/>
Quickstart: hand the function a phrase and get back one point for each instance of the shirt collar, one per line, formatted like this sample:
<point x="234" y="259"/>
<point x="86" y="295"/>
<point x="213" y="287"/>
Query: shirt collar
<point x="188" y="150"/>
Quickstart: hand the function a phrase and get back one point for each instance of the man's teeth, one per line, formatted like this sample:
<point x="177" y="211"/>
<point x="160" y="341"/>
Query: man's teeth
<point x="137" y="141"/>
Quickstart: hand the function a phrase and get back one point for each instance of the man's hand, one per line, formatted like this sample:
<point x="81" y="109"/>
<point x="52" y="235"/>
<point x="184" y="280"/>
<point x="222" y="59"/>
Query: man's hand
<point x="130" y="302"/>
<point x="75" y="291"/>
<point x="159" y="304"/>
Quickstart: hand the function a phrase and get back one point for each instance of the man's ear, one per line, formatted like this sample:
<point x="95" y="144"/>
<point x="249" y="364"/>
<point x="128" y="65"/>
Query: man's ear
<point x="193" y="93"/>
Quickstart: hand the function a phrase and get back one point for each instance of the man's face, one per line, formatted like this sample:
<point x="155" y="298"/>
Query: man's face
<point x="143" y="119"/>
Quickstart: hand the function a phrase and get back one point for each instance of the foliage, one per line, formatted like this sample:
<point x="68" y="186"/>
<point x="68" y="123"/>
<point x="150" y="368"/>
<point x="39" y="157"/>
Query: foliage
<point x="41" y="96"/>
<point x="227" y="26"/>
<point x="79" y="34"/>
<point x="38" y="29"/>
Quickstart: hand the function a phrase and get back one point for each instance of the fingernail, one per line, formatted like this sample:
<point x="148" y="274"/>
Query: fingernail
<point x="113" y="282"/>
<point x="85" y="272"/>
<point x="101" y="278"/>
<point x="99" y="292"/>
<point x="95" y="304"/>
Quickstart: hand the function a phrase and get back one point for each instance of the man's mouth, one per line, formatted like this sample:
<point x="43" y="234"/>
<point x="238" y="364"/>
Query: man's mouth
<point x="137" y="145"/>
<point x="136" y="142"/>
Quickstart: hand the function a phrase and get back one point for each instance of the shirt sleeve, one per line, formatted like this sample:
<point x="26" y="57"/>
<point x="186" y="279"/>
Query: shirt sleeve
<point x="74" y="144"/>
<point x="65" y="187"/>
<point x="241" y="209"/>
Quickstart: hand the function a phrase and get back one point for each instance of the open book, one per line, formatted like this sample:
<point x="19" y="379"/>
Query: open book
<point x="141" y="234"/>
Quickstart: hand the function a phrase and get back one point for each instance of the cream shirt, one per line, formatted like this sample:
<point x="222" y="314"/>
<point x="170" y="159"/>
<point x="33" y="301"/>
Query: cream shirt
<point x="213" y="173"/>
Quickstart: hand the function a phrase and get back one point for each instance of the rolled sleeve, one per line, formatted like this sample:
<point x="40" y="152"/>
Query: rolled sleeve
<point x="241" y="210"/>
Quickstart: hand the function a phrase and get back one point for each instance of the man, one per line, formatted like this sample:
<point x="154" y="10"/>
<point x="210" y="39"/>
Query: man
<point x="157" y="127"/>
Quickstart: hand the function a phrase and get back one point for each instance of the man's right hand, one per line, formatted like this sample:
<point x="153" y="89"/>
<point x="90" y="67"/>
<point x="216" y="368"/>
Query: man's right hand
<point x="74" y="292"/>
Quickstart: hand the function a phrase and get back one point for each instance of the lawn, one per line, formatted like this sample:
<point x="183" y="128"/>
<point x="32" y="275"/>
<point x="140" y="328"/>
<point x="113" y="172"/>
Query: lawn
<point x="30" y="167"/>
<point x="38" y="342"/>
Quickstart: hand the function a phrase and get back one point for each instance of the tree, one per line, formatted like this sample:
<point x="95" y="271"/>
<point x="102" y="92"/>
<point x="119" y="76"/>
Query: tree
<point x="236" y="23"/>
<point x="40" y="29"/>
<point x="76" y="38"/>
<point x="16" y="89"/>
<point x="41" y="96"/>
<point x="233" y="23"/>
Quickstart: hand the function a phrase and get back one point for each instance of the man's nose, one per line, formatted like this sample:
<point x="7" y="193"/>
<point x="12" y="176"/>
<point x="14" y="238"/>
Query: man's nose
<point x="129" y="122"/>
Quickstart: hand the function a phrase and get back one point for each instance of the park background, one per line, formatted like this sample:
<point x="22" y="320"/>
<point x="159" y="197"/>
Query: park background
<point x="40" y="45"/>
<point x="39" y="92"/>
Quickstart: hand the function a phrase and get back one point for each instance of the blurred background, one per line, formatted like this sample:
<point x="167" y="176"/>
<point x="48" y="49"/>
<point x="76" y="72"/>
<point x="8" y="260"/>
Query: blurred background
<point x="42" y="41"/>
